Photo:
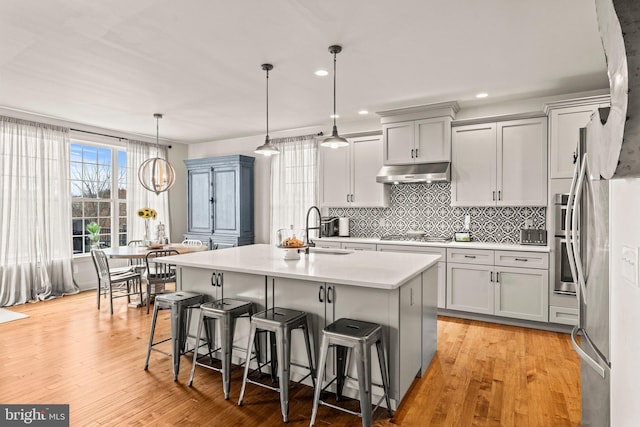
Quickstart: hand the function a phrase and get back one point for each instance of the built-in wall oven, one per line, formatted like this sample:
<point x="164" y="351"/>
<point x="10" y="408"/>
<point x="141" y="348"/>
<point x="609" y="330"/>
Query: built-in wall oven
<point x="563" y="281"/>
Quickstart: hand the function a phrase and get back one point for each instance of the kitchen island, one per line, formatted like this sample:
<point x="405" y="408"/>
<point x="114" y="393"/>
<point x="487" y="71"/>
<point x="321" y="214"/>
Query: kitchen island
<point x="398" y="291"/>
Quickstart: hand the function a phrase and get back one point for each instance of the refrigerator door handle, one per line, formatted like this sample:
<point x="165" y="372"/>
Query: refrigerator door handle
<point x="583" y="355"/>
<point x="574" y="228"/>
<point x="568" y="231"/>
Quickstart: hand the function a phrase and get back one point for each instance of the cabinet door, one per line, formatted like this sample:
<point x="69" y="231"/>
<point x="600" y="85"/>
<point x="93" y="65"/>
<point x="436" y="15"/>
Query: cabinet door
<point x="370" y="305"/>
<point x="564" y="128"/>
<point x="442" y="285"/>
<point x="470" y="288"/>
<point x="522" y="162"/>
<point x="473" y="165"/>
<point x="199" y="196"/>
<point x="309" y="297"/>
<point x="522" y="293"/>
<point x="398" y="143"/>
<point x="335" y="186"/>
<point x="366" y="155"/>
<point x="433" y="140"/>
<point x="225" y="199"/>
<point x="410" y="332"/>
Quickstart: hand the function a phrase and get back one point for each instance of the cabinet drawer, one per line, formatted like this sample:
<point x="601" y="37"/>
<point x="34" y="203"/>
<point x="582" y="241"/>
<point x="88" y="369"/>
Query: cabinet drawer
<point x="564" y="315"/>
<point x="522" y="259"/>
<point x="414" y="249"/>
<point x="327" y="245"/>
<point x="470" y="256"/>
<point x="359" y="246"/>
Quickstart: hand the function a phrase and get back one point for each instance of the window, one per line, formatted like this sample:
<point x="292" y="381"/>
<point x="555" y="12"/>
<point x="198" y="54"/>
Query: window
<point x="98" y="180"/>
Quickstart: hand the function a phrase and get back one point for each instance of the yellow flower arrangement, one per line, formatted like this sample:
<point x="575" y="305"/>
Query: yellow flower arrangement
<point x="147" y="213"/>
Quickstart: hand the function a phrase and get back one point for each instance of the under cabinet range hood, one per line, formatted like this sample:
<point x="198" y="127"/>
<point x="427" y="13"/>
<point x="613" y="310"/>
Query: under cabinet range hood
<point x="416" y="173"/>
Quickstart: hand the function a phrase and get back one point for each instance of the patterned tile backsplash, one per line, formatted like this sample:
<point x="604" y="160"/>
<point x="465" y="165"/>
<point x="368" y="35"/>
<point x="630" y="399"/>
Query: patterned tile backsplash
<point x="428" y="207"/>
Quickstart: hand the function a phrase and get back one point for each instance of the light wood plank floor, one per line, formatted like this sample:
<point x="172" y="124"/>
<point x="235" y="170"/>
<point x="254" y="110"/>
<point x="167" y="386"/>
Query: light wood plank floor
<point x="69" y="352"/>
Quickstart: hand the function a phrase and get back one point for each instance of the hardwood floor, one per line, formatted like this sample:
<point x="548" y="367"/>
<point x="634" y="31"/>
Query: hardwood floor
<point x="69" y="352"/>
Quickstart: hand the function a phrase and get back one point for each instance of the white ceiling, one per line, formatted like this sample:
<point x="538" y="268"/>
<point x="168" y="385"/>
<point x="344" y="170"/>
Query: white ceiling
<point x="113" y="63"/>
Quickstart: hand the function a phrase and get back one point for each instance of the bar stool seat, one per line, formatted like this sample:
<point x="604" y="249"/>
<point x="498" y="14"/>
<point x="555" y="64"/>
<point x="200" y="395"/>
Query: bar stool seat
<point x="279" y="322"/>
<point x="180" y="304"/>
<point x="225" y="311"/>
<point x="357" y="336"/>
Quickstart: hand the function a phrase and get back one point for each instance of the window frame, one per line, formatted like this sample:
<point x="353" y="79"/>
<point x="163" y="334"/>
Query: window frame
<point x="114" y="200"/>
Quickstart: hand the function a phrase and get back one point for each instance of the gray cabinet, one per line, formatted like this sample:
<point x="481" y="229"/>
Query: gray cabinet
<point x="220" y="200"/>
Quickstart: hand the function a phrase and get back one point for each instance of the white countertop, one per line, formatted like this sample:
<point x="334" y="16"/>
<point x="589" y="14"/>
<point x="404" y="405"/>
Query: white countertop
<point x="466" y="245"/>
<point x="358" y="268"/>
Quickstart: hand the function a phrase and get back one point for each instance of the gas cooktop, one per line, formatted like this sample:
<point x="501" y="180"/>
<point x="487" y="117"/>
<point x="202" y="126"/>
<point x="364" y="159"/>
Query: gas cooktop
<point x="406" y="237"/>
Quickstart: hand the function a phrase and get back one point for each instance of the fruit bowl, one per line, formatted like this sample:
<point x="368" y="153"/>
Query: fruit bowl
<point x="291" y="239"/>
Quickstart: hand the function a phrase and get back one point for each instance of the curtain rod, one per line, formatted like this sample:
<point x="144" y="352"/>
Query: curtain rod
<point x="296" y="138"/>
<point x="119" y="138"/>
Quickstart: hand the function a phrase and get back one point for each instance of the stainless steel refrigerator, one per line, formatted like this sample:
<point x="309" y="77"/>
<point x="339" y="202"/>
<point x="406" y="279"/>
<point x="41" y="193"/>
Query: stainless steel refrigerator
<point x="588" y="253"/>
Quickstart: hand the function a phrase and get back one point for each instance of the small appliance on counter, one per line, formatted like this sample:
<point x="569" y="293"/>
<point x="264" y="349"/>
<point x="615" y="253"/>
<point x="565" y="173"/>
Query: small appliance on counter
<point x="343" y="229"/>
<point x="329" y="226"/>
<point x="531" y="236"/>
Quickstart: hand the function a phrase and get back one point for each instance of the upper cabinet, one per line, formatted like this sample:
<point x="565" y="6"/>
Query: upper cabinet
<point x="348" y="175"/>
<point x="419" y="134"/>
<point x="565" y="120"/>
<point x="220" y="200"/>
<point x="500" y="164"/>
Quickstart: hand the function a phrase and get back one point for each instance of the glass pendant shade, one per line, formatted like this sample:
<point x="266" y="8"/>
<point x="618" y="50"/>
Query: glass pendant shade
<point x="267" y="149"/>
<point x="157" y="174"/>
<point x="335" y="140"/>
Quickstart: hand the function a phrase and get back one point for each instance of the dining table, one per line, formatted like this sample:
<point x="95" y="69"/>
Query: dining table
<point x="132" y="252"/>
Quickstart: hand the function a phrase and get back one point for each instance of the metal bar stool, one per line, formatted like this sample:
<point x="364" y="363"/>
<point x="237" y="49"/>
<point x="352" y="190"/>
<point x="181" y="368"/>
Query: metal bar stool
<point x="225" y="311"/>
<point x="279" y="321"/>
<point x="358" y="336"/>
<point x="180" y="304"/>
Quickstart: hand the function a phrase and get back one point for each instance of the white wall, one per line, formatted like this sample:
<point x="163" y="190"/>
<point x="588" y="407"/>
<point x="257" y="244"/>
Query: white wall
<point x="178" y="193"/>
<point x="624" y="220"/>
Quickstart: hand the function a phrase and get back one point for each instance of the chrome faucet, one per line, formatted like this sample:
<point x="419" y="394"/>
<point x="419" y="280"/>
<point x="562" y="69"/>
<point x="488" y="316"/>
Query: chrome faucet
<point x="307" y="228"/>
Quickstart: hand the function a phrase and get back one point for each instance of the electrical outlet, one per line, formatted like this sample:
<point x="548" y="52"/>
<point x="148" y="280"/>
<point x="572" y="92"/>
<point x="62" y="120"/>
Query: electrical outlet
<point x="528" y="223"/>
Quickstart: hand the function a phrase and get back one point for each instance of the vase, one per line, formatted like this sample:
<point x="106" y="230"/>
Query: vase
<point x="146" y="238"/>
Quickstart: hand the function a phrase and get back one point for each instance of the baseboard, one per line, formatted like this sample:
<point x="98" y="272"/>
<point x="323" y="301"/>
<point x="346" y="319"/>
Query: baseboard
<point x="553" y="327"/>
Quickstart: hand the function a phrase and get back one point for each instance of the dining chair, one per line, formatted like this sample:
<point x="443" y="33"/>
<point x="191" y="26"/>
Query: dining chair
<point x="137" y="264"/>
<point x="192" y="242"/>
<point x="157" y="273"/>
<point x="115" y="284"/>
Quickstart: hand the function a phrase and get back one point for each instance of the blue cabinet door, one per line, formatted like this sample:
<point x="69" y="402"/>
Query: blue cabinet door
<point x="199" y="195"/>
<point x="225" y="199"/>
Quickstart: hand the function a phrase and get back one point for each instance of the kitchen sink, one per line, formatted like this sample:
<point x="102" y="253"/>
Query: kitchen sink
<point x="330" y="251"/>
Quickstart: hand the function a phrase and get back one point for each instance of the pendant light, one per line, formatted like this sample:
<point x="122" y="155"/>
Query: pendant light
<point x="267" y="149"/>
<point x="335" y="140"/>
<point x="157" y="174"/>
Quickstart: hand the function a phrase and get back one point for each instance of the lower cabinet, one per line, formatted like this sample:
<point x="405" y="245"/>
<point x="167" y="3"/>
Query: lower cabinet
<point x="476" y="284"/>
<point x="326" y="302"/>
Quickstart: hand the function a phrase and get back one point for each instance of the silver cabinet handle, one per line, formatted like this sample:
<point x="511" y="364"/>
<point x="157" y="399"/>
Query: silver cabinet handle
<point x="499" y="195"/>
<point x="491" y="279"/>
<point x="214" y="279"/>
<point x="522" y="259"/>
<point x="583" y="355"/>
<point x="320" y="292"/>
<point x="417" y="153"/>
<point x="494" y="196"/>
<point x="498" y="277"/>
<point x="347" y="198"/>
<point x="410" y="296"/>
<point x="412" y="150"/>
<point x="470" y="256"/>
<point x="330" y="294"/>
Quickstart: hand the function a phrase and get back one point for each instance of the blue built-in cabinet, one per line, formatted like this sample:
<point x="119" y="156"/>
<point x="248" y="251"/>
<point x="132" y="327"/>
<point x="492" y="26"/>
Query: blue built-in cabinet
<point x="220" y="200"/>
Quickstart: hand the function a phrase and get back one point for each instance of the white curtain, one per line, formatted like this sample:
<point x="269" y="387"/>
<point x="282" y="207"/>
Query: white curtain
<point x="35" y="212"/>
<point x="139" y="197"/>
<point x="294" y="182"/>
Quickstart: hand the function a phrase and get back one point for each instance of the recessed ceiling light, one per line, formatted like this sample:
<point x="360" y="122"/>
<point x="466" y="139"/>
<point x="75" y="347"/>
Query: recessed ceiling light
<point x="482" y="95"/>
<point x="335" y="116"/>
<point x="321" y="73"/>
<point x="363" y="112"/>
